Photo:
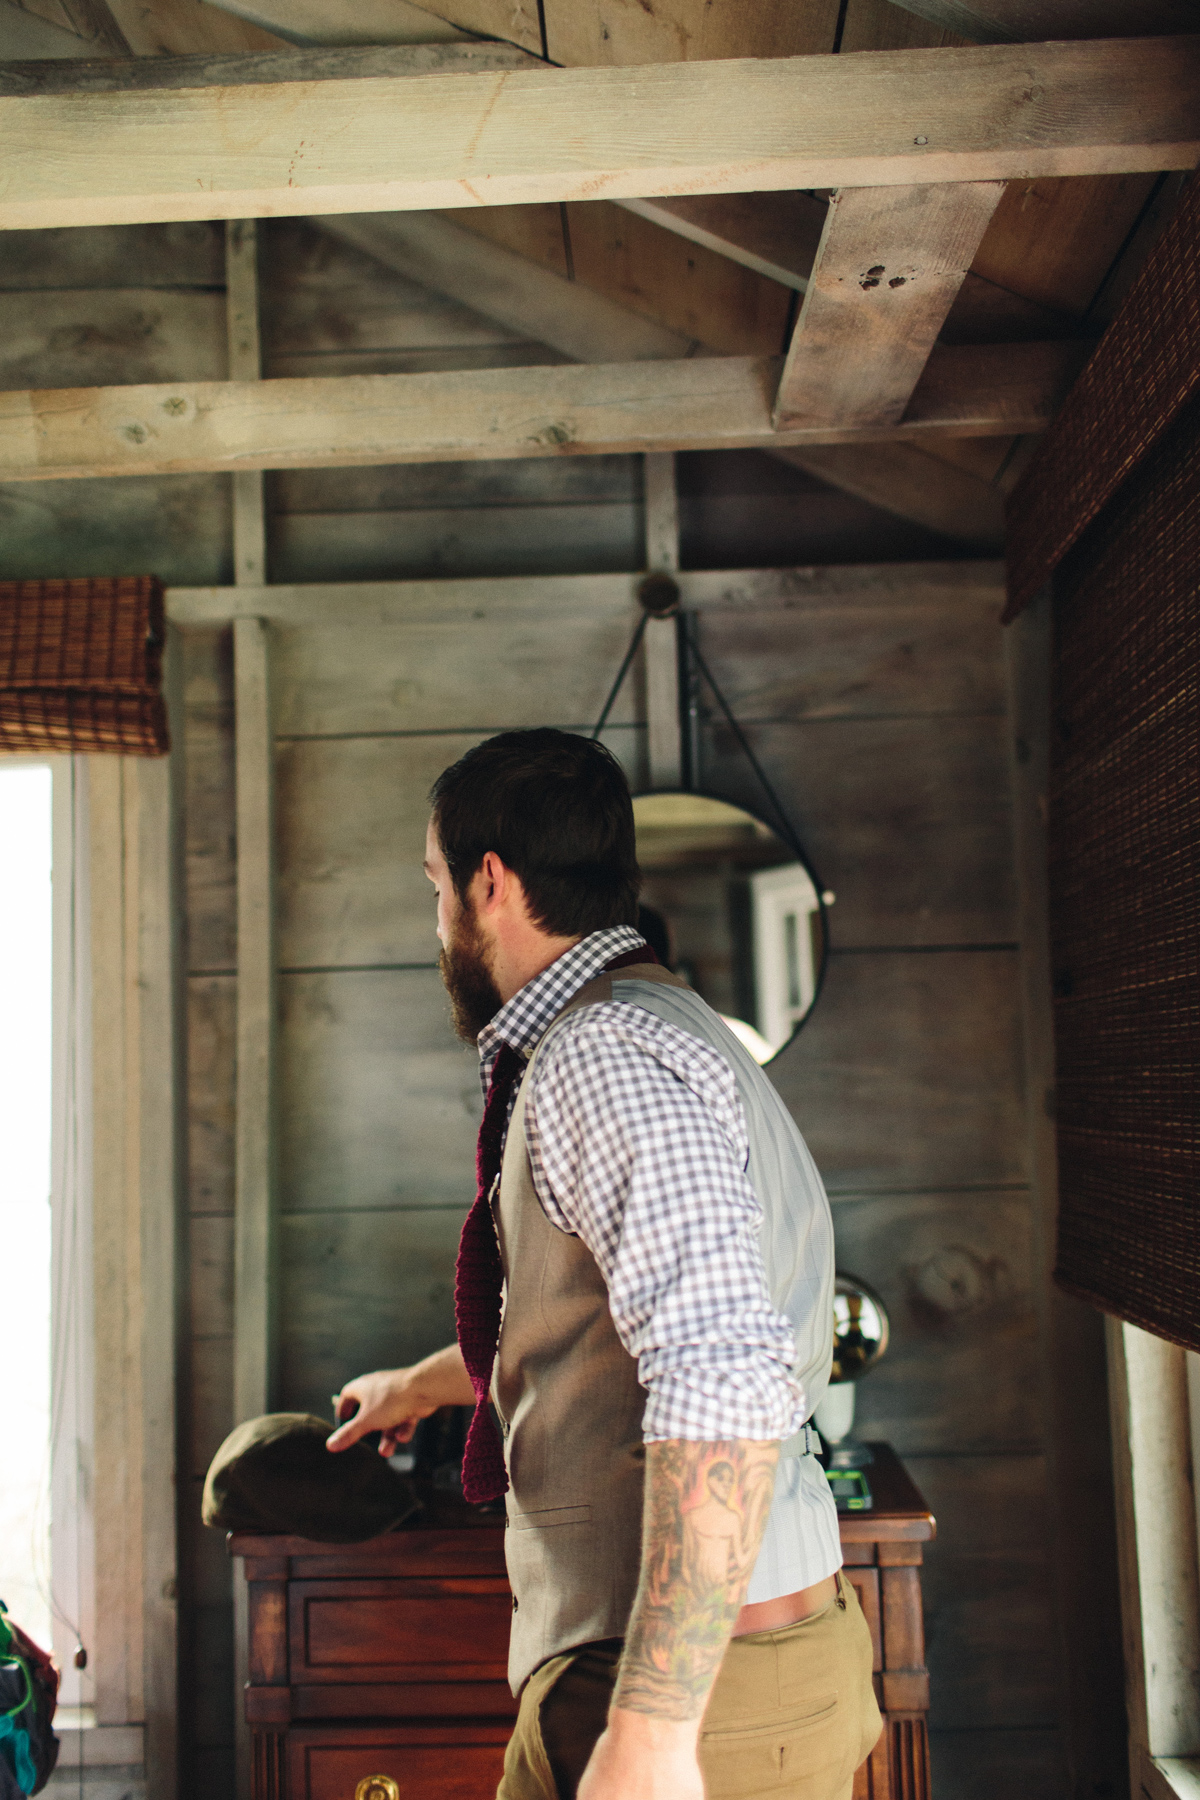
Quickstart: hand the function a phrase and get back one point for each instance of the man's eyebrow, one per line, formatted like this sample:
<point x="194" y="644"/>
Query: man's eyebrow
<point x="426" y="867"/>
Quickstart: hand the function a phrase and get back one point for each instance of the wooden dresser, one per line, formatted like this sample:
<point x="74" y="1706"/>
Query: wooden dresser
<point x="377" y="1670"/>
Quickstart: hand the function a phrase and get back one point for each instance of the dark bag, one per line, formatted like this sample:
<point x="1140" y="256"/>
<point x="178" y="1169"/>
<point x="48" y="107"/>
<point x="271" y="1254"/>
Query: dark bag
<point x="28" y="1696"/>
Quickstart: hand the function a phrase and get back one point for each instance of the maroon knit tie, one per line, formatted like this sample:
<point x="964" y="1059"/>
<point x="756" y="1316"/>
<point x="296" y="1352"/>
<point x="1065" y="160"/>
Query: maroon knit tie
<point x="479" y="1275"/>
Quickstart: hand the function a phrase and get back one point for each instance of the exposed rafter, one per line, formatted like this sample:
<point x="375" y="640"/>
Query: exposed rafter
<point x="570" y="410"/>
<point x="890" y="264"/>
<point x="892" y="119"/>
<point x="588" y="327"/>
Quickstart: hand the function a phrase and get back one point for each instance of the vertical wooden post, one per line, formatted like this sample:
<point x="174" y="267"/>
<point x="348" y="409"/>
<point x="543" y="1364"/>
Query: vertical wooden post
<point x="255" y="1021"/>
<point x="245" y="364"/>
<point x="254" y="1180"/>
<point x="254" y="1141"/>
<point x="155" y="802"/>
<point x="661" y="642"/>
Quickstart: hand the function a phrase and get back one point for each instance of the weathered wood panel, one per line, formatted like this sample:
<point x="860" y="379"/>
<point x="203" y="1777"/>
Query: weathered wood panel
<point x="1054" y="241"/>
<point x="955" y="1271"/>
<point x="363" y="1290"/>
<point x="996" y="1764"/>
<point x="351" y="818"/>
<point x="908" y="1074"/>
<point x="380" y="546"/>
<point x="902" y="641"/>
<point x="211" y="1418"/>
<point x="989" y="1625"/>
<point x="80" y="337"/>
<point x="211" y="1275"/>
<point x="686" y="287"/>
<point x="734" y="518"/>
<point x="91" y="258"/>
<point x="484" y="676"/>
<point x="379" y="1104"/>
<point x="210" y="822"/>
<point x="908" y="821"/>
<point x="212" y="1031"/>
<point x="397" y="487"/>
<point x="173" y="526"/>
<point x="322" y="298"/>
<point x="628" y="31"/>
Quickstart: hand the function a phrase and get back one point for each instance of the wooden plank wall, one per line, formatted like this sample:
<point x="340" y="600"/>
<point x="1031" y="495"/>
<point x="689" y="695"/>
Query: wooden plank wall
<point x="876" y="702"/>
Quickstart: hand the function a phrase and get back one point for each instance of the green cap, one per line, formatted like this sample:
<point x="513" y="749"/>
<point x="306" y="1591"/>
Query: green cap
<point x="275" y="1475"/>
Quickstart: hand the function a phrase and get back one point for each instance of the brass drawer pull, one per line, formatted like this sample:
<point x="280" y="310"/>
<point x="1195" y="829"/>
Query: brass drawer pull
<point x="377" y="1787"/>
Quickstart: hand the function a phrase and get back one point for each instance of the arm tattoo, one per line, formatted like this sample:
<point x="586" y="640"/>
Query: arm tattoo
<point x="705" y="1512"/>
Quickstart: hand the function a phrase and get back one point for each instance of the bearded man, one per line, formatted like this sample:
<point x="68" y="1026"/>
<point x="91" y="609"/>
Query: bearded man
<point x="664" y="1248"/>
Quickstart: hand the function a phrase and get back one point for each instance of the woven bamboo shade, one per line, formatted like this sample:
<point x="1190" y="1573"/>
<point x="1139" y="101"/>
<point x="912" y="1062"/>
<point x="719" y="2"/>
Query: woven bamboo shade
<point x="1125" y="897"/>
<point x="1109" y="512"/>
<point x="81" y="666"/>
<point x="1143" y="372"/>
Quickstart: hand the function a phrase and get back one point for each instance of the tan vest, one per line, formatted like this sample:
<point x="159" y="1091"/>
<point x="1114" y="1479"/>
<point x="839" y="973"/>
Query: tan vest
<point x="571" y="1406"/>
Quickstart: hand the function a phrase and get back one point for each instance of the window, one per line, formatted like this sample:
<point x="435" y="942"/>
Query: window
<point x="45" y="1287"/>
<point x="26" y="832"/>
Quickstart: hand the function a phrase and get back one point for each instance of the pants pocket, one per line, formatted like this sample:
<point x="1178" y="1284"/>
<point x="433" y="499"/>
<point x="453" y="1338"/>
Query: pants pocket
<point x="802" y="1757"/>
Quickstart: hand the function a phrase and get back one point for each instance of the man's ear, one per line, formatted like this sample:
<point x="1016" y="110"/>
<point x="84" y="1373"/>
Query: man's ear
<point x="496" y="881"/>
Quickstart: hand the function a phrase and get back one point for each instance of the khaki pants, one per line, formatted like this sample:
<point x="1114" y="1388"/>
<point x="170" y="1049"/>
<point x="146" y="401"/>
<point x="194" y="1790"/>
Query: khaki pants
<point x="792" y="1714"/>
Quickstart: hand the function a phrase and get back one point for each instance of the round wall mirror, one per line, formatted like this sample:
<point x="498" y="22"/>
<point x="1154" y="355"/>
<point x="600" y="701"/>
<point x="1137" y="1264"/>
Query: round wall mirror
<point x="860" y="1328"/>
<point x="726" y="904"/>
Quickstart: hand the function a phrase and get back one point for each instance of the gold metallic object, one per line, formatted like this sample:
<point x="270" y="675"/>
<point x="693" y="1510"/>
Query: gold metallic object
<point x="377" y="1787"/>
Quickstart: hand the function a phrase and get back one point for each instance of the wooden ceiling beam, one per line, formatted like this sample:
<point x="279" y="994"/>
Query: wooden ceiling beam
<point x="588" y="327"/>
<point x="888" y="270"/>
<point x="568" y="410"/>
<point x="892" y="119"/>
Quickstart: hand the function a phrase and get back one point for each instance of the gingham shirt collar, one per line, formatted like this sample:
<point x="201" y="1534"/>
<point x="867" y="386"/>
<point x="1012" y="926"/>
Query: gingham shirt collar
<point x="522" y="1020"/>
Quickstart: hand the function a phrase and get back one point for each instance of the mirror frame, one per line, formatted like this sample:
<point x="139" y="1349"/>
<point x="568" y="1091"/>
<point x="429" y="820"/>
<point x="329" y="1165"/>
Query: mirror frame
<point x="783" y="831"/>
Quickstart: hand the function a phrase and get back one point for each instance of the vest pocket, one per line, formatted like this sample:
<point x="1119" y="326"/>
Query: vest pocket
<point x="548" y="1516"/>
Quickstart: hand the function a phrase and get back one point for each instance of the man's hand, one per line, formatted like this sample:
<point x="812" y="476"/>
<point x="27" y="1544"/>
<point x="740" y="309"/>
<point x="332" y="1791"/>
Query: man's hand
<point x="394" y="1401"/>
<point x="639" y="1758"/>
<point x="705" y="1512"/>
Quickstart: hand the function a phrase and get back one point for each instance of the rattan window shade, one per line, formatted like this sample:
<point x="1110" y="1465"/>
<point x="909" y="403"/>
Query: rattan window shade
<point x="81" y="666"/>
<point x="1125" y="896"/>
<point x="1109" y="512"/>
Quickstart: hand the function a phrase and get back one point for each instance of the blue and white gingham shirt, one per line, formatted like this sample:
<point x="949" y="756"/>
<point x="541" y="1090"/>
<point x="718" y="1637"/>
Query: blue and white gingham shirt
<point x="638" y="1146"/>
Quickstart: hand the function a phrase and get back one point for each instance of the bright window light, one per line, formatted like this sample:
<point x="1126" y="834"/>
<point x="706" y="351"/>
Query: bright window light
<point x="25" y="1095"/>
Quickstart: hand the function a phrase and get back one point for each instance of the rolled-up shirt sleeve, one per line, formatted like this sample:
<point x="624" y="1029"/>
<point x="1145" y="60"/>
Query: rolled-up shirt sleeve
<point x="638" y="1145"/>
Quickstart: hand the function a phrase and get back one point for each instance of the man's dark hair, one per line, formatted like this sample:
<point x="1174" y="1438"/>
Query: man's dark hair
<point x="555" y="808"/>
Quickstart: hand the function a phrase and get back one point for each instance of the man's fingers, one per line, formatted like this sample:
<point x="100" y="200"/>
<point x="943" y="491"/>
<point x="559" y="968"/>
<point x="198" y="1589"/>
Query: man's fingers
<point x="347" y="1434"/>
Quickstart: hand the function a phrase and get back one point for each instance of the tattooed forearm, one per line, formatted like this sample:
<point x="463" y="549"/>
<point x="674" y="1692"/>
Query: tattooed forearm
<point x="705" y="1511"/>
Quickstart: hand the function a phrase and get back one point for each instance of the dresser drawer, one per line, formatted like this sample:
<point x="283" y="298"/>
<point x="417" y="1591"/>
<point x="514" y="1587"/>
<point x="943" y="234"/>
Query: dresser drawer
<point x="408" y="1630"/>
<point x="454" y="1761"/>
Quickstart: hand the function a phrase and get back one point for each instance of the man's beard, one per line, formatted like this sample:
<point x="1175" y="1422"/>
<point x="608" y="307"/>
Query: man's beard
<point x="474" y="997"/>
